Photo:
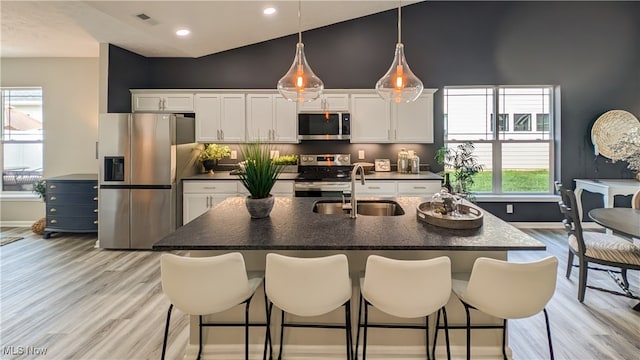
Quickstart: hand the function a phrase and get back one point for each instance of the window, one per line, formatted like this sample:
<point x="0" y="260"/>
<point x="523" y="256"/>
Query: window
<point x="522" y="122"/>
<point x="517" y="159"/>
<point x="503" y="122"/>
<point x="22" y="135"/>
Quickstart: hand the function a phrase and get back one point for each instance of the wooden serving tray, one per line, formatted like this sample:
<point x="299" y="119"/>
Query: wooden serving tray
<point x="470" y="218"/>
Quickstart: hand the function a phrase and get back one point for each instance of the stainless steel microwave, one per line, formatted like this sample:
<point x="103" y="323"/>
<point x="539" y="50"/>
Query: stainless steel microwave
<point x="324" y="126"/>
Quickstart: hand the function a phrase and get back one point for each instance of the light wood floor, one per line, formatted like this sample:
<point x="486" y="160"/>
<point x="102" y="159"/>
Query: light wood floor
<point x="78" y="302"/>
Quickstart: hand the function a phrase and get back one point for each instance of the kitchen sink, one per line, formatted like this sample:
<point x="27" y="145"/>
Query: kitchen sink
<point x="365" y="207"/>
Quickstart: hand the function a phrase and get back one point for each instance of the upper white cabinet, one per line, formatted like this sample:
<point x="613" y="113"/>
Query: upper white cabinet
<point x="182" y="102"/>
<point x="374" y="120"/>
<point x="327" y="102"/>
<point x="272" y="118"/>
<point x="220" y="117"/>
<point x="413" y="122"/>
<point x="370" y="119"/>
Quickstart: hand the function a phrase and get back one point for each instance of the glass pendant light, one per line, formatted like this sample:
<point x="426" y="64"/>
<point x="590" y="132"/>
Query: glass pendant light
<point x="399" y="83"/>
<point x="300" y="83"/>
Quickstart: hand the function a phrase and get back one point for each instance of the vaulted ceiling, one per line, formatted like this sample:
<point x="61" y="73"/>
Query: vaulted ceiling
<point x="75" y="28"/>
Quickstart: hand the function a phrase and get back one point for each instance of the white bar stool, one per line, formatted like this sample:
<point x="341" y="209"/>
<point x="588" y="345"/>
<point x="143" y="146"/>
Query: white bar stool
<point x="208" y="285"/>
<point x="309" y="287"/>
<point x="405" y="289"/>
<point x="508" y="291"/>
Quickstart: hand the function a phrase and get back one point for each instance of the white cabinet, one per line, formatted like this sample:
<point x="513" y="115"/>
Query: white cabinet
<point x="220" y="117"/>
<point x="162" y="102"/>
<point x="413" y="122"/>
<point x="376" y="188"/>
<point x="327" y="102"/>
<point x="200" y="196"/>
<point x="370" y="119"/>
<point x="425" y="188"/>
<point x="418" y="188"/>
<point x="272" y="118"/>
<point x="374" y="120"/>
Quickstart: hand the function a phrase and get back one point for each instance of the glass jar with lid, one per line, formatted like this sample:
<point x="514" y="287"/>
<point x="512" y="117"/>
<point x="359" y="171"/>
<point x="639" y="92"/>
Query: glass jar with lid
<point x="443" y="203"/>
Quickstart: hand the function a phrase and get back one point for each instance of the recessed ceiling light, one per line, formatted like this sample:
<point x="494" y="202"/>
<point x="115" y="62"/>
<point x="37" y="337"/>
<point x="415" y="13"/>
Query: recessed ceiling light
<point x="269" y="11"/>
<point x="183" y="32"/>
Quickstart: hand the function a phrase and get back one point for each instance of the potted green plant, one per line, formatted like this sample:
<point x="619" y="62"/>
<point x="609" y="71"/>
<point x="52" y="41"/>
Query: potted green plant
<point x="40" y="189"/>
<point x="258" y="176"/>
<point x="463" y="163"/>
<point x="289" y="162"/>
<point x="211" y="154"/>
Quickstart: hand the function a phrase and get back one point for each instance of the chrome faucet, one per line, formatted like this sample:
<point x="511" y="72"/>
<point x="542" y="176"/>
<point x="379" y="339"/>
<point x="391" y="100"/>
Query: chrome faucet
<point x="354" y="201"/>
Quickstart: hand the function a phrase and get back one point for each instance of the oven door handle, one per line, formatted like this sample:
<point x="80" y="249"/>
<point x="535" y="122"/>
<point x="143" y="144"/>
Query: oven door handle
<point x="322" y="187"/>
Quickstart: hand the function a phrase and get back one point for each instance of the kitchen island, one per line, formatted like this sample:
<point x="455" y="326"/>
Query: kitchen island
<point x="294" y="229"/>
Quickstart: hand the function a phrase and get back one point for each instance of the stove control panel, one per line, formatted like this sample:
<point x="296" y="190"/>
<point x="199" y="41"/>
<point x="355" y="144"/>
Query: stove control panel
<point x="325" y="160"/>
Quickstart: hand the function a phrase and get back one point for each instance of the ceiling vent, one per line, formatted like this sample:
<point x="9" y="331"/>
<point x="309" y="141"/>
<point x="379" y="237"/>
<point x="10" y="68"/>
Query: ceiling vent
<point x="147" y="19"/>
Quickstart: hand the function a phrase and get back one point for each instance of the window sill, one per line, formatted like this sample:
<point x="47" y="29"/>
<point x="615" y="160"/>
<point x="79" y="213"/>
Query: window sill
<point x="517" y="198"/>
<point x="17" y="196"/>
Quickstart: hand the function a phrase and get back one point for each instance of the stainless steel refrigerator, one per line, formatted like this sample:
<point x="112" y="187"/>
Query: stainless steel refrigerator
<point x="137" y="194"/>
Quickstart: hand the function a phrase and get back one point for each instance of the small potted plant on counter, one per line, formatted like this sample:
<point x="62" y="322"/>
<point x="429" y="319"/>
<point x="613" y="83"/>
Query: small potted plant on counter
<point x="289" y="162"/>
<point x="259" y="175"/>
<point x="40" y="189"/>
<point x="211" y="154"/>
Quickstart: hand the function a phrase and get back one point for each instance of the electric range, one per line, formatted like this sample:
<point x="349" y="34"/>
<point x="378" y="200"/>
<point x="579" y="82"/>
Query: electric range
<point x="325" y="175"/>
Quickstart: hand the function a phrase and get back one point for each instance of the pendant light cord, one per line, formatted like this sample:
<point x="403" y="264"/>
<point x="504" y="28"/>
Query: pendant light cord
<point x="399" y="21"/>
<point x="299" y="24"/>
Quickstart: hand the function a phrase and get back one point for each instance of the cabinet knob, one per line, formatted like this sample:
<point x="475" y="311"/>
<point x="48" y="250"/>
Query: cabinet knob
<point x="53" y="210"/>
<point x="52" y="186"/>
<point x="53" y="198"/>
<point x="95" y="222"/>
<point x="54" y="221"/>
<point x="95" y="210"/>
<point x="95" y="198"/>
<point x="95" y="187"/>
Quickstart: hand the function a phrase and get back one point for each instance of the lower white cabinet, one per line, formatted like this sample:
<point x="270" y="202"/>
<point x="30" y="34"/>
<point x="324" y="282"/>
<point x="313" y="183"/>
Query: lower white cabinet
<point x="425" y="188"/>
<point x="198" y="196"/>
<point x="376" y="188"/>
<point x="418" y="188"/>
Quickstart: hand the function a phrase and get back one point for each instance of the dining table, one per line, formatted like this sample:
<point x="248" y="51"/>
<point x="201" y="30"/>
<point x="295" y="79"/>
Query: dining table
<point x="622" y="220"/>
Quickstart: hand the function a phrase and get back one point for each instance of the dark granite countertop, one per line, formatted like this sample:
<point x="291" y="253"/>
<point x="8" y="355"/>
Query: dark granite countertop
<point x="388" y="175"/>
<point x="293" y="225"/>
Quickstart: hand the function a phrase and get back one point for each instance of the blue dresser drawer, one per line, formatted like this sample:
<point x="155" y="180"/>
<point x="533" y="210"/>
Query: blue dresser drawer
<point x="72" y="204"/>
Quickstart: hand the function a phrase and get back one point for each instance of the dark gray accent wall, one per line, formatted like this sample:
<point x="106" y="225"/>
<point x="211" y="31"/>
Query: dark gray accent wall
<point x="590" y="50"/>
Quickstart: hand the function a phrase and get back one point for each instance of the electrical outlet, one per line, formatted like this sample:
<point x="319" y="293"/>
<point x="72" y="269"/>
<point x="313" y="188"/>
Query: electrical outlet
<point x="360" y="154"/>
<point x="509" y="208"/>
<point x="234" y="155"/>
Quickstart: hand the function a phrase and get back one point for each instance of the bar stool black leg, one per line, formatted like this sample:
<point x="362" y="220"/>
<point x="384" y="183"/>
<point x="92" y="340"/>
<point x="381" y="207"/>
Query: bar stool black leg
<point x="366" y="322"/>
<point x="504" y="337"/>
<point x="359" y="326"/>
<point x="546" y="319"/>
<point x="426" y="328"/>
<point x="267" y="337"/>
<point x="466" y="309"/>
<point x="166" y="333"/>
<point x="199" y="336"/>
<point x="246" y="329"/>
<point x="446" y="333"/>
<point x="347" y="325"/>
<point x="281" y="335"/>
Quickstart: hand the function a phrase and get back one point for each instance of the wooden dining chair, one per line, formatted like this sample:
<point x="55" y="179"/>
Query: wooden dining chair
<point x="597" y="248"/>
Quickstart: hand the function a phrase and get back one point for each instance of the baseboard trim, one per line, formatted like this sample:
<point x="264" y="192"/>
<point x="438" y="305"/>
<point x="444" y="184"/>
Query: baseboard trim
<point x="16" y="223"/>
<point x="337" y="352"/>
